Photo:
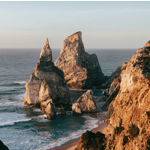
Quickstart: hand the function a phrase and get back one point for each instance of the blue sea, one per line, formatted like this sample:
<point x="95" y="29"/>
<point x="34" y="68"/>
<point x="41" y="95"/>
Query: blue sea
<point x="27" y="128"/>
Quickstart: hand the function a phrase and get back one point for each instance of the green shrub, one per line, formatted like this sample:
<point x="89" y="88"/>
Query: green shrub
<point x="133" y="131"/>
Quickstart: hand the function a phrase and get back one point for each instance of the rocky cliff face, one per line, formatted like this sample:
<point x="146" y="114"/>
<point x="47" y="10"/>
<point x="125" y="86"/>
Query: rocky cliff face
<point x="130" y="109"/>
<point x="81" y="70"/>
<point x="46" y="82"/>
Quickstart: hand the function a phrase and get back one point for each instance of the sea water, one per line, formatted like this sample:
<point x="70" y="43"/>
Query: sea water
<point x="27" y="128"/>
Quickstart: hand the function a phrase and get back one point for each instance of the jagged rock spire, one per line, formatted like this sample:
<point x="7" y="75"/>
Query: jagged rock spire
<point x="73" y="43"/>
<point x="147" y="44"/>
<point x="46" y="51"/>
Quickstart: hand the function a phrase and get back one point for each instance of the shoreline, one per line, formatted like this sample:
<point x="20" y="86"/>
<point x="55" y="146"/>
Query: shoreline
<point x="71" y="145"/>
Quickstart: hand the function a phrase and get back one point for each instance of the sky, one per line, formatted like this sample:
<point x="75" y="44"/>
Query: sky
<point x="104" y="24"/>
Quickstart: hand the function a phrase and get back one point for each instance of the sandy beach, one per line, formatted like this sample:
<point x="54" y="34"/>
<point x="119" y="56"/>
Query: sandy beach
<point x="71" y="145"/>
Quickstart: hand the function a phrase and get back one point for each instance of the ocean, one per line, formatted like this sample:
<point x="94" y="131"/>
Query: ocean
<point x="27" y="128"/>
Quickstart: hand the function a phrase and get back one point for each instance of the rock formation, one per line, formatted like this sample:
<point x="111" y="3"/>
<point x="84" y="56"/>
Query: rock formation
<point x="50" y="111"/>
<point x="130" y="109"/>
<point x="85" y="103"/>
<point x="46" y="82"/>
<point x="2" y="146"/>
<point x="81" y="70"/>
<point x="91" y="141"/>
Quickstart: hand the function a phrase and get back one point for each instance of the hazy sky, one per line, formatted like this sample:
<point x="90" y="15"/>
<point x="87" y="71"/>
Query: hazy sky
<point x="103" y="24"/>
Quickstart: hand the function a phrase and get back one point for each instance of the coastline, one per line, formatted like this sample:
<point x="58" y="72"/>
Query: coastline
<point x="71" y="145"/>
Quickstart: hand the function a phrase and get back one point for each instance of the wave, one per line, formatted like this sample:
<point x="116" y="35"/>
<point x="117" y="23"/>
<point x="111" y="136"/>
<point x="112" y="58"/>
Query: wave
<point x="42" y="118"/>
<point x="8" y="119"/>
<point x="15" y="83"/>
<point x="18" y="101"/>
<point x="20" y="82"/>
<point x="90" y="124"/>
<point x="12" y="103"/>
<point x="20" y="97"/>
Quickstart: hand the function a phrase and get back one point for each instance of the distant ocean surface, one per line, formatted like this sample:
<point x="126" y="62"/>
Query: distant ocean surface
<point x="26" y="128"/>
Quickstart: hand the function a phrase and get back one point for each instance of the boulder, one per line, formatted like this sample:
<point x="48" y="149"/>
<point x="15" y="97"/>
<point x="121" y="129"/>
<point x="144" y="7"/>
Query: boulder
<point x="85" y="104"/>
<point x="81" y="70"/>
<point x="129" y="106"/>
<point x="50" y="111"/>
<point x="91" y="141"/>
<point x="62" y="111"/>
<point x="2" y="146"/>
<point x="46" y="82"/>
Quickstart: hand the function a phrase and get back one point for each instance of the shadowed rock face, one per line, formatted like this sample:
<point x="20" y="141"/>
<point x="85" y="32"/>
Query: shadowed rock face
<point x="46" y="82"/>
<point x="91" y="141"/>
<point x="81" y="70"/>
<point x="130" y="109"/>
<point x="2" y="146"/>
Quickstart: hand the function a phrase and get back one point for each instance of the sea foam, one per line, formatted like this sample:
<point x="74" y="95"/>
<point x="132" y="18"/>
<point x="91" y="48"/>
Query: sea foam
<point x="90" y="123"/>
<point x="20" y="82"/>
<point x="7" y="119"/>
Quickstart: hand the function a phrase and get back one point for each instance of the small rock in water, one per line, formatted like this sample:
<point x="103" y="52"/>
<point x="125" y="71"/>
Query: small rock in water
<point x="85" y="103"/>
<point x="51" y="111"/>
<point x="62" y="111"/>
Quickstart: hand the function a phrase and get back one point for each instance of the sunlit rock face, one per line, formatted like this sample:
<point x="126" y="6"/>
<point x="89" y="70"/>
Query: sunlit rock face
<point x="81" y="70"/>
<point x="46" y="82"/>
<point x="129" y="111"/>
<point x="85" y="104"/>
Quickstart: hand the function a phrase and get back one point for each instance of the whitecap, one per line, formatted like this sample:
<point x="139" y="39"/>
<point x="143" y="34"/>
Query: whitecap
<point x="37" y="110"/>
<point x="42" y="118"/>
<point x="90" y="123"/>
<point x="19" y="97"/>
<point x="7" y="119"/>
<point x="20" y="82"/>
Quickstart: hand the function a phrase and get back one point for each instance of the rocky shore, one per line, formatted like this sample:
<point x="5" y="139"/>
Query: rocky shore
<point x="125" y="94"/>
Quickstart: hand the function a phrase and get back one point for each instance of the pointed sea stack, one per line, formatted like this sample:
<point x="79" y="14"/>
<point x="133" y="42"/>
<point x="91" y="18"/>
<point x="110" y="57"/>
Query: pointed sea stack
<point x="81" y="70"/>
<point x="46" y="82"/>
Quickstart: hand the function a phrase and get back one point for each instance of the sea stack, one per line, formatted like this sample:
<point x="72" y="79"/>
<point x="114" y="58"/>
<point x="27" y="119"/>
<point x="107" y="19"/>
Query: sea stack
<point x="129" y="111"/>
<point x="85" y="104"/>
<point x="46" y="84"/>
<point x="81" y="70"/>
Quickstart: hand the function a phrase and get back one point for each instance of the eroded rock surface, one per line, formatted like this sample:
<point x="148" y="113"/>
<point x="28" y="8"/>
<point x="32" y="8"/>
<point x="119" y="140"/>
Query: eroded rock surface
<point x="81" y="70"/>
<point x="129" y="116"/>
<point x="91" y="141"/>
<point x="85" y="103"/>
<point x="50" y="111"/>
<point x="46" y="82"/>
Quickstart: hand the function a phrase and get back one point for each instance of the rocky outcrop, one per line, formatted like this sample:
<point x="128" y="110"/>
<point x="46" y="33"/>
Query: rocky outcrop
<point x="46" y="82"/>
<point x="91" y="141"/>
<point x="85" y="104"/>
<point x="81" y="70"/>
<point x="129" y="110"/>
<point x="110" y="80"/>
<point x="50" y="111"/>
<point x="2" y="146"/>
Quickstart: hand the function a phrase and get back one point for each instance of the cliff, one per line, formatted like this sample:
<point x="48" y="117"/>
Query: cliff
<point x="81" y="70"/>
<point x="129" y="111"/>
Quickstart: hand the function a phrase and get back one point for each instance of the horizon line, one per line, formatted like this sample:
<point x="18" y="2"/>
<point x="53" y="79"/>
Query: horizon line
<point x="60" y="48"/>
